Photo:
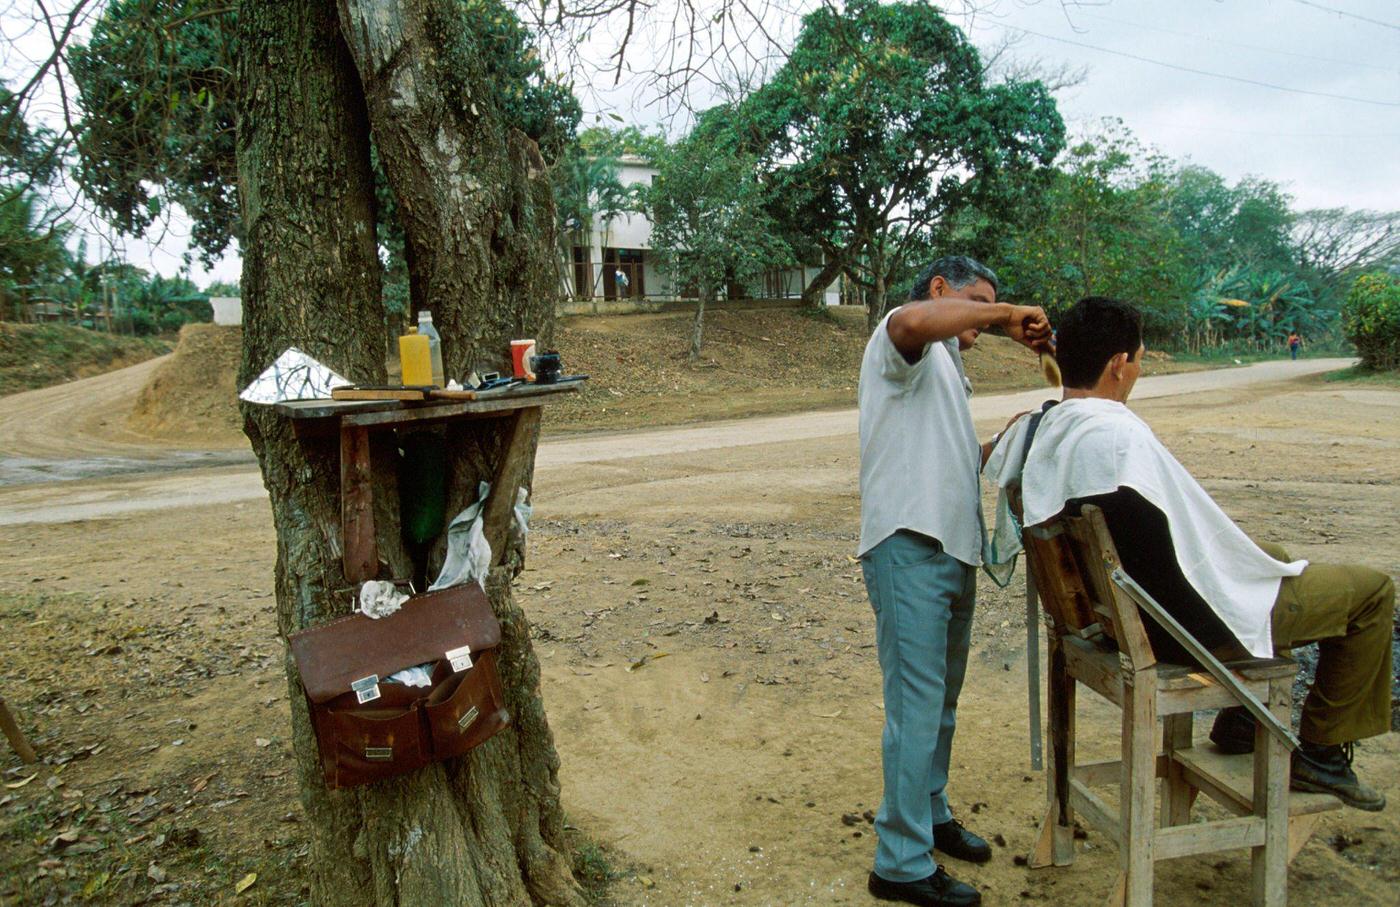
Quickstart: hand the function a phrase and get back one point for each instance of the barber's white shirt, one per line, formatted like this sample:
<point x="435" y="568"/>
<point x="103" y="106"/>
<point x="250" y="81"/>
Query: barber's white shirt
<point x="1090" y="446"/>
<point x="919" y="456"/>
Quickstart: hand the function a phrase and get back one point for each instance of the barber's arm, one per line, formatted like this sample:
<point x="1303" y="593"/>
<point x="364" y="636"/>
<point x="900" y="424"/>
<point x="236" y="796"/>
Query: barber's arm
<point x="917" y="324"/>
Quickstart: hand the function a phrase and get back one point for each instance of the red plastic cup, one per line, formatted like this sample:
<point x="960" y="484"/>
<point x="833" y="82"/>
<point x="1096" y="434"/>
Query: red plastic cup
<point x="521" y="352"/>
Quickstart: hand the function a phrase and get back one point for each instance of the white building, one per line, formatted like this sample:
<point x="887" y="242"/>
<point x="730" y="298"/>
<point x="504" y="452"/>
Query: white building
<point x="618" y="263"/>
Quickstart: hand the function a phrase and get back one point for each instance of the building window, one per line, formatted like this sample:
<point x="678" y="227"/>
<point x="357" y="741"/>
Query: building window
<point x="583" y="273"/>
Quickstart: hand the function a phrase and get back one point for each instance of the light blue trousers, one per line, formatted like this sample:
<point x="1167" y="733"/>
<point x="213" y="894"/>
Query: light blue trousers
<point x="923" y="600"/>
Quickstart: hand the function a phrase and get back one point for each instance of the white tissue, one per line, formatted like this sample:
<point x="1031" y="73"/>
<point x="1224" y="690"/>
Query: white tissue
<point x="379" y="598"/>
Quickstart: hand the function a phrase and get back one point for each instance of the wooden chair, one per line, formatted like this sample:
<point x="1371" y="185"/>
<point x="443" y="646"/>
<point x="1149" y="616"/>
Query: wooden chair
<point x="1096" y="638"/>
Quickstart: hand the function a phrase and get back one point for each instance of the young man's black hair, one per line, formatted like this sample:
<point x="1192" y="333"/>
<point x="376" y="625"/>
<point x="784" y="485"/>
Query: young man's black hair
<point x="1093" y="331"/>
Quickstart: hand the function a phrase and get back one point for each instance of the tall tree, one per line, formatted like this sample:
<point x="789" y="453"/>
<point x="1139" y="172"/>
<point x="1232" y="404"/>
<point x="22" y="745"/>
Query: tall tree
<point x="881" y="126"/>
<point x="1105" y="230"/>
<point x="158" y="95"/>
<point x="709" y="216"/>
<point x="316" y="79"/>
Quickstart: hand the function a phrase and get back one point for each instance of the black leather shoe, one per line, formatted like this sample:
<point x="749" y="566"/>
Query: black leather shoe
<point x="953" y="839"/>
<point x="1326" y="769"/>
<point x="938" y="890"/>
<point x="1233" y="731"/>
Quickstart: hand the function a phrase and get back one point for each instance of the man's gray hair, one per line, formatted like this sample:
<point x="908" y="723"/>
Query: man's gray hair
<point x="958" y="270"/>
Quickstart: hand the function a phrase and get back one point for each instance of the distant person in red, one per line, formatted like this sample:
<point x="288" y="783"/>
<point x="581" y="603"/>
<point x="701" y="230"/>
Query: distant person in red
<point x="1294" y="343"/>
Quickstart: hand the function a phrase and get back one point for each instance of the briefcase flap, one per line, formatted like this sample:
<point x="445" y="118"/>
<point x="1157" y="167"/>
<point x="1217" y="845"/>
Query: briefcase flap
<point x="333" y="656"/>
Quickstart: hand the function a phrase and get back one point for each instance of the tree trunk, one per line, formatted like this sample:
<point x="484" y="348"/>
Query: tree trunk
<point x="814" y="290"/>
<point x="697" y="331"/>
<point x="486" y="829"/>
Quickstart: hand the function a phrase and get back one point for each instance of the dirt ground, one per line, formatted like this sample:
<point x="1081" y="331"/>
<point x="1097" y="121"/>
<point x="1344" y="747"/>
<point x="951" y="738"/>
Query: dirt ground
<point x="709" y="671"/>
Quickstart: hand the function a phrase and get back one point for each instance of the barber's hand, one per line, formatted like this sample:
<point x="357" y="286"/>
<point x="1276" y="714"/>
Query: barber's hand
<point x="1029" y="326"/>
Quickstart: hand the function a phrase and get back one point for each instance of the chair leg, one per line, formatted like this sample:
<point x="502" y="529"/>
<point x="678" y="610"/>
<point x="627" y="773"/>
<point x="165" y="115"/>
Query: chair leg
<point x="1178" y="795"/>
<point x="1055" y="844"/>
<point x="1138" y="787"/>
<point x="1269" y="861"/>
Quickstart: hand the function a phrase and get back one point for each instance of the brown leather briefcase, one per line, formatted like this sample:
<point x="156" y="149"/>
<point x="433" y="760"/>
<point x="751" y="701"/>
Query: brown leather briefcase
<point x="368" y="727"/>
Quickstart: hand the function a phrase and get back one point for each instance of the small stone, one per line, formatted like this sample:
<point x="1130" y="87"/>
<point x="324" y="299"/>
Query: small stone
<point x="999" y="839"/>
<point x="849" y="819"/>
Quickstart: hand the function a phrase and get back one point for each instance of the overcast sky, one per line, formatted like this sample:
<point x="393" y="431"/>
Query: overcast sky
<point x="1331" y="139"/>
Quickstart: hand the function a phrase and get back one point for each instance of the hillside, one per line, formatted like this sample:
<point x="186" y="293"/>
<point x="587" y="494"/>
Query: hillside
<point x="755" y="361"/>
<point x="40" y="355"/>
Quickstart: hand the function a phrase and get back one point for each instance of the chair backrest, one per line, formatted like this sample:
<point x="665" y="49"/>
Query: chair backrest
<point x="1072" y="559"/>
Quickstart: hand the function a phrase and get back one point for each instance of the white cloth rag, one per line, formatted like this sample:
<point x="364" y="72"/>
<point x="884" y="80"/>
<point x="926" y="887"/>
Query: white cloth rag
<point x="523" y="510"/>
<point x="1003" y="469"/>
<point x="379" y="598"/>
<point x="468" y="552"/>
<point x="1091" y="446"/>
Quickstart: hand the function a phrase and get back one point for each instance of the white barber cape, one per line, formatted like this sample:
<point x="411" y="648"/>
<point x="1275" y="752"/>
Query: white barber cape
<point x="1091" y="446"/>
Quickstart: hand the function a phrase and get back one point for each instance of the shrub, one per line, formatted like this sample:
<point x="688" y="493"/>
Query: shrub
<point x="1371" y="318"/>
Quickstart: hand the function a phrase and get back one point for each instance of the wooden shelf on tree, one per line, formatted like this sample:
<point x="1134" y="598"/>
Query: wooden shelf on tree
<point x="517" y="407"/>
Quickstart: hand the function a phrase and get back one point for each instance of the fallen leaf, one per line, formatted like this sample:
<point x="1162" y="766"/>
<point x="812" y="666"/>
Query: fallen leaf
<point x="704" y="677"/>
<point x="245" y="883"/>
<point x="835" y="714"/>
<point x="155" y="873"/>
<point x="16" y="785"/>
<point x="262" y="741"/>
<point x="95" y="884"/>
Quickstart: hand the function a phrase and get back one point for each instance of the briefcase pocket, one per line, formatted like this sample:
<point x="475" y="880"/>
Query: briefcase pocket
<point x="370" y="744"/>
<point x="468" y="708"/>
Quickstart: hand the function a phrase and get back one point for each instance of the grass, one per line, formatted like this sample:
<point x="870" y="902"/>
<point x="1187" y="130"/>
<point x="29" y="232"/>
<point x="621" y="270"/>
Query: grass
<point x="1359" y="375"/>
<point x="40" y="355"/>
<point x="593" y="870"/>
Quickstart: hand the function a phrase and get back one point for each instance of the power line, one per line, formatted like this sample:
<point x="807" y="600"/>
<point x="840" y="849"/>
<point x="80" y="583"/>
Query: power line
<point x="1278" y="135"/>
<point x="1202" y="72"/>
<point x="1267" y="50"/>
<point x="1342" y="12"/>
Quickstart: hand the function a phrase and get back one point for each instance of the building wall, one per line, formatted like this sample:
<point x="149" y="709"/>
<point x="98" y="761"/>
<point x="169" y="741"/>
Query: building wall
<point x="633" y="231"/>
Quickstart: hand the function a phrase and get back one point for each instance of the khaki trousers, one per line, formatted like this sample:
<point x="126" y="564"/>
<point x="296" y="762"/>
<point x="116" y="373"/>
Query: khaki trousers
<point x="1349" y="612"/>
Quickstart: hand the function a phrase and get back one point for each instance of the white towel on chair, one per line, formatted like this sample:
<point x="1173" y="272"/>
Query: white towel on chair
<point x="1090" y="446"/>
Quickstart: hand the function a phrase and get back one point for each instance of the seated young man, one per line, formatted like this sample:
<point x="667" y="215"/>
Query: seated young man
<point x="1181" y="547"/>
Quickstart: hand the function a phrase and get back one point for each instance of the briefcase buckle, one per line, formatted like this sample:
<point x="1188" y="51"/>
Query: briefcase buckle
<point x="459" y="658"/>
<point x="366" y="688"/>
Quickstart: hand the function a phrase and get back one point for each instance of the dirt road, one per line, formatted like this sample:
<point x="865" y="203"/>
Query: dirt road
<point x="42" y="444"/>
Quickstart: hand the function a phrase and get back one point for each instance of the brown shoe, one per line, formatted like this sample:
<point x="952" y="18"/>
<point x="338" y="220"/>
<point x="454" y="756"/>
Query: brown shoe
<point x="1326" y="769"/>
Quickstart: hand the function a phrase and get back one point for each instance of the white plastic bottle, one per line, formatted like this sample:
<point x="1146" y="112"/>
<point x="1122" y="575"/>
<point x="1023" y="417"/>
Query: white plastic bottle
<point x="425" y="327"/>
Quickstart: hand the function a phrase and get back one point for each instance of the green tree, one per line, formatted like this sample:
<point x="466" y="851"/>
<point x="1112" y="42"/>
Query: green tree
<point x="1245" y="225"/>
<point x="32" y="252"/>
<point x="1371" y="317"/>
<point x="158" y="97"/>
<point x="1105" y="230"/>
<point x="710" y="223"/>
<point x="880" y="128"/>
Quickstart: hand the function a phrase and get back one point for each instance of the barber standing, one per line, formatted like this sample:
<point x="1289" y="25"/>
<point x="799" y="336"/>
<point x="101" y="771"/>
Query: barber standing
<point x="920" y="544"/>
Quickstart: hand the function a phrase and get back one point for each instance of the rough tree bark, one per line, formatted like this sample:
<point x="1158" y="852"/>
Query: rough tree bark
<point x="315" y="80"/>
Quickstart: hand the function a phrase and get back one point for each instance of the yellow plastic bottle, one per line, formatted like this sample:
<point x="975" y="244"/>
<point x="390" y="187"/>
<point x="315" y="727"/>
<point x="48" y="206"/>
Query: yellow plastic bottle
<point x="416" y="359"/>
